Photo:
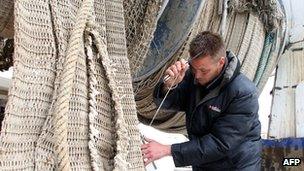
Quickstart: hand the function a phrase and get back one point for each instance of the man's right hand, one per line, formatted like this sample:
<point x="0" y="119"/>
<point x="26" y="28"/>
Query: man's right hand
<point x="178" y="69"/>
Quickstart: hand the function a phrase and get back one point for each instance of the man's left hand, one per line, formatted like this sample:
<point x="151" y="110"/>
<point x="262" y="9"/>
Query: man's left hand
<point x="154" y="150"/>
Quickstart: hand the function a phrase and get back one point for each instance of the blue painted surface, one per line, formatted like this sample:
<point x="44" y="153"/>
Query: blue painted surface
<point x="172" y="30"/>
<point x="295" y="143"/>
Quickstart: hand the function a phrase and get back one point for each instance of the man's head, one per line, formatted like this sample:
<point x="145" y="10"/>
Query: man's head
<point x="211" y="52"/>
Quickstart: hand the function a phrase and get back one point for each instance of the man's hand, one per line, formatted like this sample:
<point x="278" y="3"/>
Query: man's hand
<point x="154" y="150"/>
<point x="178" y="69"/>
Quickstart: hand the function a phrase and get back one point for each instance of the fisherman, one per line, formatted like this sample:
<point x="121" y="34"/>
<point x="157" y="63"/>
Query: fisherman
<point x="221" y="106"/>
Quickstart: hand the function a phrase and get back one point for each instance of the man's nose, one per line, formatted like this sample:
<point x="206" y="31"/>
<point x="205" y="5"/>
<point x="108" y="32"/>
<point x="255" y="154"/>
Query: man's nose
<point x="198" y="75"/>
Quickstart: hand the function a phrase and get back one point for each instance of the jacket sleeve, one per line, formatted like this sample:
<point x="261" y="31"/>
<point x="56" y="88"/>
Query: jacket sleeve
<point x="227" y="132"/>
<point x="177" y="97"/>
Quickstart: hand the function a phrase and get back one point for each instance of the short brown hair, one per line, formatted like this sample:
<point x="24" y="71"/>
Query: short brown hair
<point x="207" y="43"/>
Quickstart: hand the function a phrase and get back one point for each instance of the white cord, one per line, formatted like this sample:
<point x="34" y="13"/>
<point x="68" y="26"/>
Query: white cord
<point x="160" y="105"/>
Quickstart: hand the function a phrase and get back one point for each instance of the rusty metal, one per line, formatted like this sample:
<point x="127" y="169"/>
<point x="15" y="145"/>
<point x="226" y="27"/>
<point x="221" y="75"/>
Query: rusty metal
<point x="274" y="152"/>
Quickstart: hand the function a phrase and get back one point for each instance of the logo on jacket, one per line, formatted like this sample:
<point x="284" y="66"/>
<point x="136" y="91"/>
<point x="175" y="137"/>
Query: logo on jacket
<point x="214" y="108"/>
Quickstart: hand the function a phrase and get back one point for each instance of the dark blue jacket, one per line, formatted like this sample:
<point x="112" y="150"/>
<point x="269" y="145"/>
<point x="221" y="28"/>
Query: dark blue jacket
<point x="221" y="119"/>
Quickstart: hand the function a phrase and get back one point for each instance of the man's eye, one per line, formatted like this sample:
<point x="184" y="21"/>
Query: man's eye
<point x="204" y="71"/>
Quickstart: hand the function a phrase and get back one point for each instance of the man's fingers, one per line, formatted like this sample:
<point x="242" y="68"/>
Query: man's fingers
<point x="175" y="73"/>
<point x="144" y="146"/>
<point x="178" y="65"/>
<point x="184" y="65"/>
<point x="147" y="156"/>
<point x="170" y="72"/>
<point x="174" y="70"/>
<point x="145" y="151"/>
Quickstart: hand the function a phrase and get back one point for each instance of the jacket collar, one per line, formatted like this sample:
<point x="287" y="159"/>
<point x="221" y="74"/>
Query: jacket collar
<point x="232" y="69"/>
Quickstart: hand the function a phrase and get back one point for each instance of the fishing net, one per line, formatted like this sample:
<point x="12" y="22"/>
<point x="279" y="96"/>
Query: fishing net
<point x="71" y="103"/>
<point x="141" y="17"/>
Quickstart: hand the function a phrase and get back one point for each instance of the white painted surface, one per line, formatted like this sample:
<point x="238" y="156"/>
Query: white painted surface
<point x="295" y="17"/>
<point x="265" y="100"/>
<point x="290" y="73"/>
<point x="299" y="116"/>
<point x="7" y="74"/>
<point x="4" y="83"/>
<point x="5" y="79"/>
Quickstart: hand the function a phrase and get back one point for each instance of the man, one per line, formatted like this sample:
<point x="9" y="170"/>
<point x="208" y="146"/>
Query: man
<point x="221" y="107"/>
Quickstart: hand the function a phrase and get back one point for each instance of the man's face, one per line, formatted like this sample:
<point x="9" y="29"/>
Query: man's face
<point x="205" y="68"/>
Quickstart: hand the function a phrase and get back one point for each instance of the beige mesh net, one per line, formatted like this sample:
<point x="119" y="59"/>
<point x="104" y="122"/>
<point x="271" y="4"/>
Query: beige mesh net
<point x="71" y="103"/>
<point x="141" y="19"/>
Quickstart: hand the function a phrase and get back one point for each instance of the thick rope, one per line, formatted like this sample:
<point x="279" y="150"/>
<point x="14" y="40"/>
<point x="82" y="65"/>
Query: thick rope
<point x="264" y="58"/>
<point x="69" y="75"/>
<point x="94" y="132"/>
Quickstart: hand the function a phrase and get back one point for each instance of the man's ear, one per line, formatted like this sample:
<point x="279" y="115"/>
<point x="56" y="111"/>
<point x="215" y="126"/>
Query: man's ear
<point x="222" y="60"/>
